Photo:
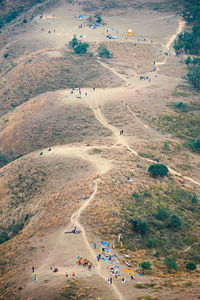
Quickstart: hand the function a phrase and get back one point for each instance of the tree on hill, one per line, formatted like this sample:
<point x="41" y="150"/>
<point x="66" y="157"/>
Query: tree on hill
<point x="194" y="144"/>
<point x="3" y="237"/>
<point x="104" y="52"/>
<point x="193" y="76"/>
<point x="145" y="265"/>
<point x="174" y="222"/>
<point x="139" y="226"/>
<point x="73" y="42"/>
<point x="191" y="266"/>
<point x="170" y="263"/>
<point x="158" y="170"/>
<point x="81" y="48"/>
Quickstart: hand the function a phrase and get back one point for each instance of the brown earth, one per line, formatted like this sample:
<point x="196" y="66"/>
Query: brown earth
<point x="46" y="192"/>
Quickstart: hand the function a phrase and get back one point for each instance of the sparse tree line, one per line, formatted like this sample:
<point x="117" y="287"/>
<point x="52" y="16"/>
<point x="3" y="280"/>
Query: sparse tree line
<point x="189" y="42"/>
<point x="80" y="48"/>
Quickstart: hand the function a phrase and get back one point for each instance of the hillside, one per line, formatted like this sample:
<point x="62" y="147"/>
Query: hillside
<point x="96" y="136"/>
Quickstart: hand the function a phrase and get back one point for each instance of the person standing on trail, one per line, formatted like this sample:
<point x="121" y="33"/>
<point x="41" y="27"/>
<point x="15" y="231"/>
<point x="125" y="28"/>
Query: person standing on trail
<point x="33" y="269"/>
<point x="95" y="245"/>
<point x="98" y="257"/>
<point x="74" y="230"/>
<point x="110" y="280"/>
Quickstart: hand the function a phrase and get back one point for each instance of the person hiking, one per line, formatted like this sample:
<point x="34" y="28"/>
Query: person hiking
<point x="33" y="269"/>
<point x="110" y="280"/>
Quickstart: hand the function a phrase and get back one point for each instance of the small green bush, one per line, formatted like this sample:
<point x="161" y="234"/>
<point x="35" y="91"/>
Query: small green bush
<point x="73" y="42"/>
<point x="174" y="223"/>
<point x="150" y="243"/>
<point x="170" y="263"/>
<point x="3" y="160"/>
<point x="157" y="254"/>
<point x="139" y="226"/>
<point x="5" y="55"/>
<point x="181" y="106"/>
<point x="17" y="227"/>
<point x="158" y="170"/>
<point x="135" y="195"/>
<point x="104" y="52"/>
<point x="81" y="48"/>
<point x="162" y="214"/>
<point x="191" y="266"/>
<point x="3" y="237"/>
<point x="146" y="265"/>
<point x="194" y="145"/>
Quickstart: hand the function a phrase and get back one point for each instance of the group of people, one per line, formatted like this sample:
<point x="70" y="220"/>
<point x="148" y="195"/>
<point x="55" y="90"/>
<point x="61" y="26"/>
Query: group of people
<point x="84" y="262"/>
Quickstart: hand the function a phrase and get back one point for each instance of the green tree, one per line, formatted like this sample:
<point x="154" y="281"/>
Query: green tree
<point x="158" y="170"/>
<point x="139" y="226"/>
<point x="170" y="263"/>
<point x="3" y="237"/>
<point x="191" y="266"/>
<point x="145" y="265"/>
<point x="193" y="76"/>
<point x="194" y="145"/>
<point x="17" y="227"/>
<point x="98" y="18"/>
<point x="73" y="42"/>
<point x="174" y="223"/>
<point x="104" y="52"/>
<point x="162" y="214"/>
<point x="81" y="48"/>
<point x="3" y="160"/>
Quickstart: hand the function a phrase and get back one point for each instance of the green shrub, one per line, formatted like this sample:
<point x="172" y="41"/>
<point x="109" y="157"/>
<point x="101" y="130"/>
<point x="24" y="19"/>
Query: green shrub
<point x="5" y="55"/>
<point x="104" y="52"/>
<point x="194" y="199"/>
<point x="193" y="76"/>
<point x="73" y="42"/>
<point x="150" y="243"/>
<point x="170" y="263"/>
<point x="174" y="223"/>
<point x="157" y="254"/>
<point x="158" y="170"/>
<point x="81" y="48"/>
<point x="3" y="237"/>
<point x="191" y="266"/>
<point x="98" y="18"/>
<point x="135" y="195"/>
<point x="17" y="227"/>
<point x="194" y="145"/>
<point x="3" y="160"/>
<point x="162" y="214"/>
<point x="146" y="265"/>
<point x="139" y="226"/>
<point x="181" y="106"/>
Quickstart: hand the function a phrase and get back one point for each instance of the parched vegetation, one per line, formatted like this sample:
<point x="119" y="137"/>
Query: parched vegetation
<point x="189" y="42"/>
<point x="159" y="220"/>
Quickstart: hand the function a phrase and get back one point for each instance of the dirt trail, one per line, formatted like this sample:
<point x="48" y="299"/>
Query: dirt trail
<point x="75" y="219"/>
<point x="122" y="140"/>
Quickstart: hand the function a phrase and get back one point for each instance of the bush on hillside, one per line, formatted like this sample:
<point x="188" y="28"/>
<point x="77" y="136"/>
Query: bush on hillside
<point x="139" y="226"/>
<point x="104" y="52"/>
<point x="3" y="160"/>
<point x="158" y="170"/>
<point x="194" y="145"/>
<point x="180" y="106"/>
<point x="3" y="237"/>
<point x="73" y="42"/>
<point x="174" y="223"/>
<point x="193" y="76"/>
<point x="191" y="266"/>
<point x="145" y="265"/>
<point x="162" y="214"/>
<point x="17" y="227"/>
<point x="170" y="263"/>
<point x="81" y="48"/>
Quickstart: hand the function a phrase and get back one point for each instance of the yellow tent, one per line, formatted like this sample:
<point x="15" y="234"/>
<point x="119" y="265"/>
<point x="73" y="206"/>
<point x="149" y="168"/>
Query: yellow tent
<point x="130" y="33"/>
